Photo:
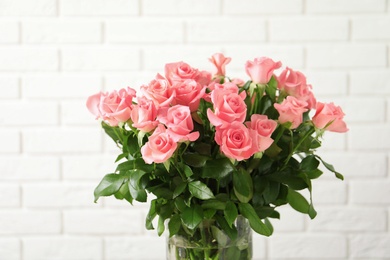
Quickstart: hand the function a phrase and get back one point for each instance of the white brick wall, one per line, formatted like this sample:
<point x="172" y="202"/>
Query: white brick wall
<point x="54" y="53"/>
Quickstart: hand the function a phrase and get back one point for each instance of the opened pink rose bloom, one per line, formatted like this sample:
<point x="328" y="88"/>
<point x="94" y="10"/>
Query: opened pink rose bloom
<point x="112" y="107"/>
<point x="179" y="122"/>
<point x="291" y="110"/>
<point x="329" y="117"/>
<point x="159" y="148"/>
<point x="187" y="92"/>
<point x="179" y="71"/>
<point x="261" y="129"/>
<point x="260" y="70"/>
<point x="144" y="115"/>
<point x="219" y="61"/>
<point x="158" y="91"/>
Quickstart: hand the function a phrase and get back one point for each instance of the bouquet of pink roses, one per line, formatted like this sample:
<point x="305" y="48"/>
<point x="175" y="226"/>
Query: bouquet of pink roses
<point x="211" y="148"/>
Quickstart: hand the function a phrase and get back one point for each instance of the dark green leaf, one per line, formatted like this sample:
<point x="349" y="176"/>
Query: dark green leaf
<point x="124" y="193"/>
<point x="213" y="204"/>
<point x="120" y="157"/>
<point x="314" y="174"/>
<point x="220" y="236"/>
<point x="151" y="215"/>
<point x="136" y="164"/>
<point x="179" y="189"/>
<point x="309" y="163"/>
<point x="331" y="168"/>
<point x="230" y="213"/>
<point x="312" y="211"/>
<point x="255" y="222"/>
<point x="136" y="190"/>
<point x="112" y="131"/>
<point x="217" y="169"/>
<point x="174" y="225"/>
<point x="188" y="171"/>
<point x="200" y="190"/>
<point x="209" y="213"/>
<point x="191" y="217"/>
<point x="109" y="185"/>
<point x="180" y="204"/>
<point x="271" y="192"/>
<point x="243" y="185"/>
<point x="231" y="231"/>
<point x="271" y="87"/>
<point x="297" y="201"/>
<point x="160" y="226"/>
<point x="195" y="160"/>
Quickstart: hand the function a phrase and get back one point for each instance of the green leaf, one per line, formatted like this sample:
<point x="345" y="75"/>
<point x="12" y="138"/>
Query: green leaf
<point x="174" y="225"/>
<point x="271" y="192"/>
<point x="297" y="201"/>
<point x="309" y="163"/>
<point x="179" y="189"/>
<point x="124" y="193"/>
<point x="271" y="87"/>
<point x="109" y="185"/>
<point x="180" y="204"/>
<point x="151" y="215"/>
<point x="243" y="186"/>
<point x="231" y="231"/>
<point x="214" y="204"/>
<point x="188" y="171"/>
<point x="230" y="213"/>
<point x="331" y="168"/>
<point x="191" y="217"/>
<point x="255" y="222"/>
<point x="217" y="169"/>
<point x="220" y="236"/>
<point x="195" y="160"/>
<point x="112" y="131"/>
<point x="138" y="164"/>
<point x="312" y="211"/>
<point x="160" y="226"/>
<point x="136" y="190"/>
<point x="314" y="174"/>
<point x="200" y="190"/>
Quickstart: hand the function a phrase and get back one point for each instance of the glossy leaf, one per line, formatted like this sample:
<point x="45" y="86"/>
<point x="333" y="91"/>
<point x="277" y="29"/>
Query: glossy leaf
<point x="174" y="225"/>
<point x="191" y="217"/>
<point x="255" y="222"/>
<point x="200" y="190"/>
<point x="230" y="213"/>
<point x="179" y="189"/>
<point x="331" y="168"/>
<point x="151" y="215"/>
<point x="297" y="201"/>
<point x="217" y="169"/>
<point x="243" y="186"/>
<point x="109" y="185"/>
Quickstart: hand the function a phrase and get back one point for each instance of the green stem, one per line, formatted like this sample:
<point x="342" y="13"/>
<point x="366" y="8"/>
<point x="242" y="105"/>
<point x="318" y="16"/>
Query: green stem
<point x="309" y="133"/>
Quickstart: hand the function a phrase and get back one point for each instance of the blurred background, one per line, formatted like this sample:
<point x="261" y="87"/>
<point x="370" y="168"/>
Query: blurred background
<point x="55" y="53"/>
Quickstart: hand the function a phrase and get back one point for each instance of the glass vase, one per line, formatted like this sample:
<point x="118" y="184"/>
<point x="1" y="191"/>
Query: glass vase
<point x="210" y="242"/>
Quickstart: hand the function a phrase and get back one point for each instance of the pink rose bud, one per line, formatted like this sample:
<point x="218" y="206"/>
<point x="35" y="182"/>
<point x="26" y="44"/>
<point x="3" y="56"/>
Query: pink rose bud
<point x="329" y="117"/>
<point x="219" y="61"/>
<point x="144" y="115"/>
<point x="235" y="141"/>
<point x="261" y="130"/>
<point x="261" y="69"/>
<point x="159" y="148"/>
<point x="112" y="107"/>
<point x="291" y="110"/>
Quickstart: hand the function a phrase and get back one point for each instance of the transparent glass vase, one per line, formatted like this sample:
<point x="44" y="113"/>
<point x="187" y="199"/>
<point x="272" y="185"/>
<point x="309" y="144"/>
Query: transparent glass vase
<point x="210" y="242"/>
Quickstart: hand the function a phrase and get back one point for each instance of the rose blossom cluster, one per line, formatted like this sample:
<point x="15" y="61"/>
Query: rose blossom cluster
<point x="168" y="107"/>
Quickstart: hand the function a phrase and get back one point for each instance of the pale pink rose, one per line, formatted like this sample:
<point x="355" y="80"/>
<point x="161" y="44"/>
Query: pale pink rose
<point x="260" y="70"/>
<point x="158" y="91"/>
<point x="294" y="84"/>
<point x="113" y="107"/>
<point x="230" y="87"/>
<point x="291" y="110"/>
<point x="144" y="115"/>
<point x="159" y="148"/>
<point x="228" y="107"/>
<point x="239" y="82"/>
<point x="187" y="92"/>
<point x="261" y="130"/>
<point x="179" y="71"/>
<point x="219" y="61"/>
<point x="179" y="123"/>
<point x="328" y="116"/>
<point x="235" y="141"/>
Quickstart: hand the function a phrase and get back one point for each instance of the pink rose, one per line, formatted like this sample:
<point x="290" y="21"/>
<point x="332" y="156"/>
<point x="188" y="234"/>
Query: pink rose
<point x="179" y="122"/>
<point x="235" y="141"/>
<point x="219" y="61"/>
<point x="261" y="69"/>
<point x="144" y="115"/>
<point x="329" y="117"/>
<point x="179" y="71"/>
<point x="158" y="91"/>
<point x="228" y="107"/>
<point x="261" y="130"/>
<point x="159" y="148"/>
<point x="188" y="93"/>
<point x="291" y="110"/>
<point x="113" y="107"/>
<point x="294" y="84"/>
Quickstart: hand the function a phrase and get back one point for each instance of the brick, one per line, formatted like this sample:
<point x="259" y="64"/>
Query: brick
<point x="240" y="30"/>
<point x="28" y="113"/>
<point x="10" y="141"/>
<point x="331" y="192"/>
<point x="177" y="7"/>
<point x="66" y="195"/>
<point x="315" y="247"/>
<point x="62" y="248"/>
<point x="373" y="137"/>
<point x="327" y="83"/>
<point x="308" y="29"/>
<point x="364" y="109"/>
<point x="28" y="8"/>
<point x="61" y="31"/>
<point x="256" y="7"/>
<point x="103" y="222"/>
<point x="290" y="221"/>
<point x="370" y="165"/>
<point x="83" y="167"/>
<point x="346" y="56"/>
<point x="92" y="58"/>
<point x="9" y="32"/>
<point x="20" y="168"/>
<point x="61" y="140"/>
<point x="133" y="79"/>
<point x="345" y="6"/>
<point x="370" y="28"/>
<point x="76" y="113"/>
<point x="9" y="196"/>
<point x="9" y="87"/>
<point x="10" y="248"/>
<point x="13" y="222"/>
<point x="60" y="86"/>
<point x="348" y="219"/>
<point x="133" y="31"/>
<point x="99" y="7"/>
<point x="120" y="248"/>
<point x="370" y="246"/>
<point x="371" y="82"/>
<point x="373" y="192"/>
<point x="31" y="59"/>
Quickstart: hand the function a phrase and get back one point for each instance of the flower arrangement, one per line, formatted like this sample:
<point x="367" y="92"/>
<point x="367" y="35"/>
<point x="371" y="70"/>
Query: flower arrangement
<point x="212" y="148"/>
